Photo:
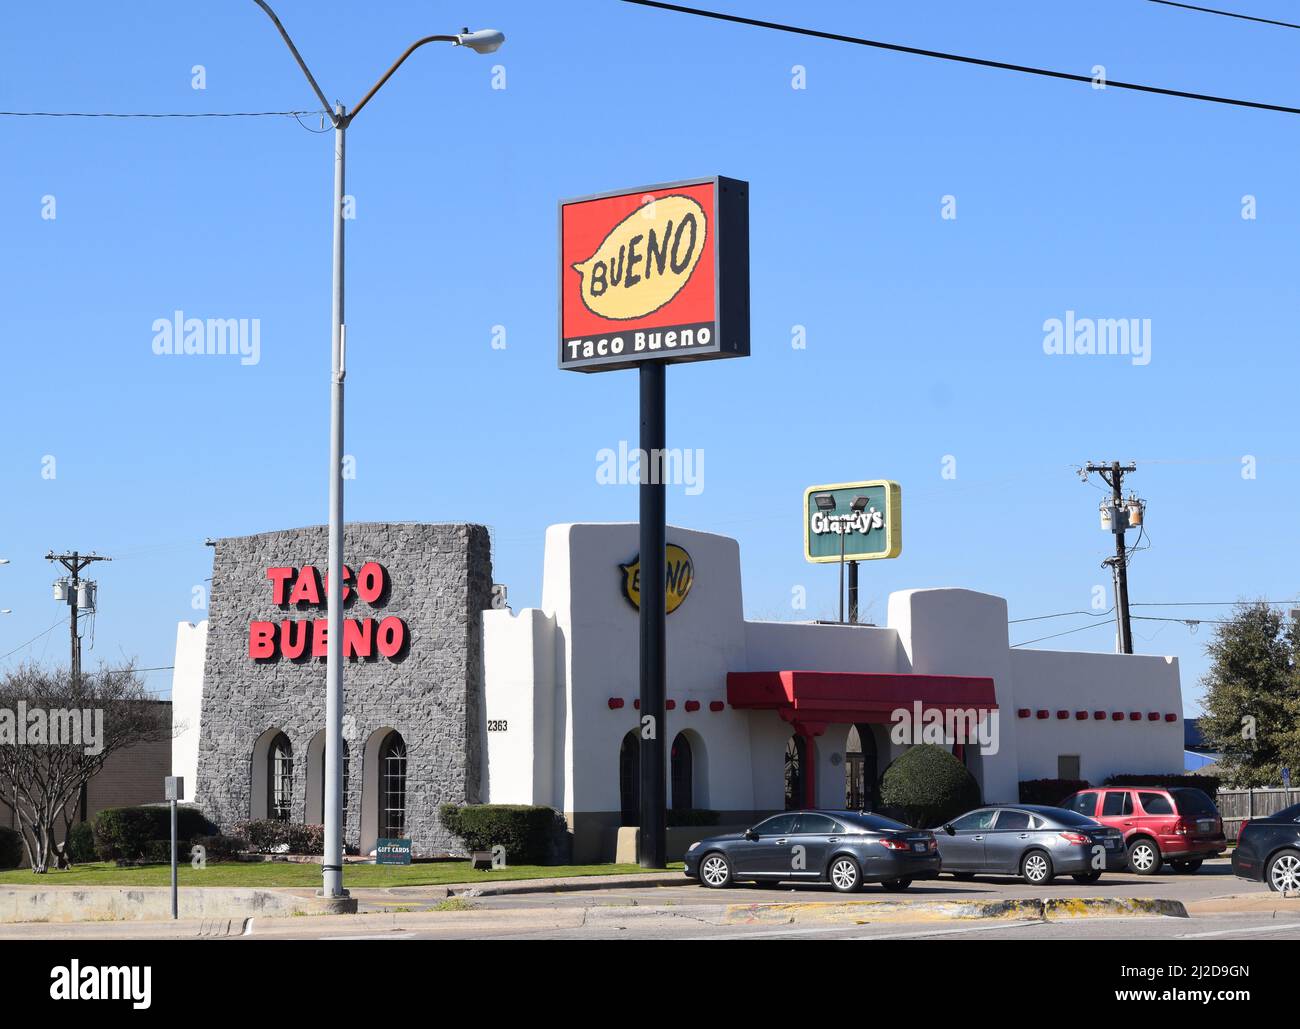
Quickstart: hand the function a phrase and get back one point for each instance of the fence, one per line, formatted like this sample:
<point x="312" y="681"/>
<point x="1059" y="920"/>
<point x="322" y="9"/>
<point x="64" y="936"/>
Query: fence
<point x="1237" y="806"/>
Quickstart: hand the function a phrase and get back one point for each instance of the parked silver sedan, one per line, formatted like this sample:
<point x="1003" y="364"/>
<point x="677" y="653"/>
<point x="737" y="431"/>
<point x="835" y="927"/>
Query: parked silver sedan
<point x="1030" y="840"/>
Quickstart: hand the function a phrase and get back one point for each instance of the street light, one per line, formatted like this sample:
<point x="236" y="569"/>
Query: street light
<point x="485" y="41"/>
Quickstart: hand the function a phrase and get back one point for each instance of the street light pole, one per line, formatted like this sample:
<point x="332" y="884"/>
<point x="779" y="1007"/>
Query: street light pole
<point x="485" y="41"/>
<point x="332" y="862"/>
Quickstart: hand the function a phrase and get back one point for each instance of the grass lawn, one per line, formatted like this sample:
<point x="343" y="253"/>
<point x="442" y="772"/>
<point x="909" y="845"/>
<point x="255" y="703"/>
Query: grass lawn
<point x="283" y="873"/>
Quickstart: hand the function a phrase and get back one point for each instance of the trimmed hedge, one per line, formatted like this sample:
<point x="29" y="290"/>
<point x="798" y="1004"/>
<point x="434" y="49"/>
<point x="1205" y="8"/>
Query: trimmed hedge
<point x="124" y="833"/>
<point x="221" y="848"/>
<point x="270" y="836"/>
<point x="929" y="786"/>
<point x="529" y="834"/>
<point x="693" y="816"/>
<point x="1172" y="781"/>
<point x="80" y="845"/>
<point x="12" y="851"/>
<point x="1050" y="791"/>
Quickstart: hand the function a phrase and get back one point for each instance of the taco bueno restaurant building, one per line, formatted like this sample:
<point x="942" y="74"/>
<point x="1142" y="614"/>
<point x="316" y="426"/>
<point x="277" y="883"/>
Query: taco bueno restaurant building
<point x="449" y="701"/>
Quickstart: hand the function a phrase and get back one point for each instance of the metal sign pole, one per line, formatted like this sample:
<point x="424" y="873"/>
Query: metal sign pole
<point x="652" y="852"/>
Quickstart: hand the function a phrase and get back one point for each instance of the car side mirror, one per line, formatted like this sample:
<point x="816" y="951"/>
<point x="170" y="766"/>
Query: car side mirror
<point x="750" y="834"/>
<point x="950" y="830"/>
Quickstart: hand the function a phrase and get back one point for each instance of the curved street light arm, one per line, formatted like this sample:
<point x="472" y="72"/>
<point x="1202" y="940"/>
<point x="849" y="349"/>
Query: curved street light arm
<point x="325" y="104"/>
<point x="396" y="64"/>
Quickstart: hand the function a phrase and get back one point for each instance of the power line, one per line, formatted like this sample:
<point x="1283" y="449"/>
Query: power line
<point x="1061" y="614"/>
<point x="141" y="114"/>
<point x="962" y="58"/>
<point x="1054" y="635"/>
<point x="1226" y="14"/>
<point x="32" y="640"/>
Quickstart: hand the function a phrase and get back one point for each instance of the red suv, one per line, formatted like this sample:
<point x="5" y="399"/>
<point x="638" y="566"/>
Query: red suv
<point x="1179" y="825"/>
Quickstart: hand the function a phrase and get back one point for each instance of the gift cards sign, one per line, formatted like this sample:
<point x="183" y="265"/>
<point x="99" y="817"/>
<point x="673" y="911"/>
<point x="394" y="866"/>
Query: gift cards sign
<point x="658" y="273"/>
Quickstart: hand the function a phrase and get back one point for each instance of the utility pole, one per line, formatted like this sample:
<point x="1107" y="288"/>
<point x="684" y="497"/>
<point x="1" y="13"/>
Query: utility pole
<point x="1117" y="516"/>
<point x="74" y="563"/>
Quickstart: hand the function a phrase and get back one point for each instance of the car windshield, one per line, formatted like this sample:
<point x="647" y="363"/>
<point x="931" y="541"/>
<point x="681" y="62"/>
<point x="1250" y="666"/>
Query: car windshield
<point x="1064" y="817"/>
<point x="1193" y="802"/>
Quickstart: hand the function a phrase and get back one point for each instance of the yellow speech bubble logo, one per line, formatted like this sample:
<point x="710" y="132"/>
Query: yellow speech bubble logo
<point x="646" y="259"/>
<point x="679" y="576"/>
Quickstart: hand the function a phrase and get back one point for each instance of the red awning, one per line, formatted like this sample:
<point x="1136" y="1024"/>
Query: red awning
<point x="819" y="698"/>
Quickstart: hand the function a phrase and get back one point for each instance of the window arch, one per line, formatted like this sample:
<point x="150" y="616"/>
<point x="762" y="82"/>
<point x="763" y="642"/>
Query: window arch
<point x="796" y="767"/>
<point x="315" y="786"/>
<point x="629" y="779"/>
<point x="683" y="773"/>
<point x="392" y="786"/>
<point x="860" y="768"/>
<point x="279" y="779"/>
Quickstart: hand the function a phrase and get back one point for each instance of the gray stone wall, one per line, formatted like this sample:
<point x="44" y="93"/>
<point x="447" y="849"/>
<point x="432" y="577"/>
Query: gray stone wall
<point x="440" y="579"/>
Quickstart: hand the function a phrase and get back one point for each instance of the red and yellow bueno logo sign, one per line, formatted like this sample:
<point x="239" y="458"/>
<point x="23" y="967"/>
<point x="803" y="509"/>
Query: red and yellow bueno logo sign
<point x="298" y="640"/>
<point x="639" y="276"/>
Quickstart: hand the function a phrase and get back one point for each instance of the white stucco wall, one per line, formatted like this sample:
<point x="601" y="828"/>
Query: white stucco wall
<point x="187" y="702"/>
<point x="519" y="707"/>
<point x="1072" y="681"/>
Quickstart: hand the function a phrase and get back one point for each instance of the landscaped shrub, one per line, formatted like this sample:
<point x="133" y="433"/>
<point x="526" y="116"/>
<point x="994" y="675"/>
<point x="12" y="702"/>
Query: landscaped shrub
<point x="693" y="816"/>
<point x="529" y="834"/>
<point x="221" y="848"/>
<point x="1208" y="783"/>
<point x="929" y="786"/>
<point x="271" y="836"/>
<point x="11" y="848"/>
<point x="1049" y="791"/>
<point x="123" y="833"/>
<point x="80" y="845"/>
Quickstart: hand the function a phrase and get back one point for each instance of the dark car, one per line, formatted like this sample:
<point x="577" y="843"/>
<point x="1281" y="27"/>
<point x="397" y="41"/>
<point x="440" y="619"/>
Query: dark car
<point x="1032" y="841"/>
<point x="1268" y="849"/>
<point x="1180" y="826"/>
<point x="843" y="848"/>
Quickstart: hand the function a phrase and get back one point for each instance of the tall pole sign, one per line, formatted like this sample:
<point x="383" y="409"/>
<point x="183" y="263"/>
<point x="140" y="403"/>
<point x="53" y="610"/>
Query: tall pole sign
<point x="649" y="277"/>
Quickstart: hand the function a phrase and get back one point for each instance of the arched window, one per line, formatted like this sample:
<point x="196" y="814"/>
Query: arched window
<point x="279" y="779"/>
<point x="860" y="769"/>
<point x="316" y="802"/>
<point x="683" y="773"/>
<point x="392" y="786"/>
<point x="795" y="766"/>
<point x="629" y="779"/>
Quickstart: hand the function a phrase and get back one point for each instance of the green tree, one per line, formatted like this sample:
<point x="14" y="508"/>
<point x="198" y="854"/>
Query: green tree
<point x="1252" y="696"/>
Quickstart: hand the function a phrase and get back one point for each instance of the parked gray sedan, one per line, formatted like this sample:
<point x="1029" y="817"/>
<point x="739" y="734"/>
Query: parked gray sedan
<point x="1032" y="841"/>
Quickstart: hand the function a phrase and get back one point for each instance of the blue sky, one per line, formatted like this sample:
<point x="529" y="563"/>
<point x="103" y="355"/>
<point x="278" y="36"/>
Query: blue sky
<point x="924" y="335"/>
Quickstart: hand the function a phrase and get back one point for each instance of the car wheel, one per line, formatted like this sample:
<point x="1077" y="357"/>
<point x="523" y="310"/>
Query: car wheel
<point x="896" y="885"/>
<point x="1087" y="877"/>
<point x="715" y="871"/>
<point x="964" y="877"/>
<point x="1036" y="868"/>
<point x="1284" y="871"/>
<point x="844" y="874"/>
<point x="1144" y="856"/>
<point x="1185" y="867"/>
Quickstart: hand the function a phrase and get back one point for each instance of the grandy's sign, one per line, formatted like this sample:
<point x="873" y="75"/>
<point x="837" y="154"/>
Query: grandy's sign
<point x="656" y="273"/>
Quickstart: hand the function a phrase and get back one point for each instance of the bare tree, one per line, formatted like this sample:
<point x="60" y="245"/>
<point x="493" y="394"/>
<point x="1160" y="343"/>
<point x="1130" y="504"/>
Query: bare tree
<point x="57" y="733"/>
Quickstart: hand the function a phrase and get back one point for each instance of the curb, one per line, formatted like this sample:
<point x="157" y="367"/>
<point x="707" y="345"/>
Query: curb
<point x="1022" y="909"/>
<point x="577" y="883"/>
